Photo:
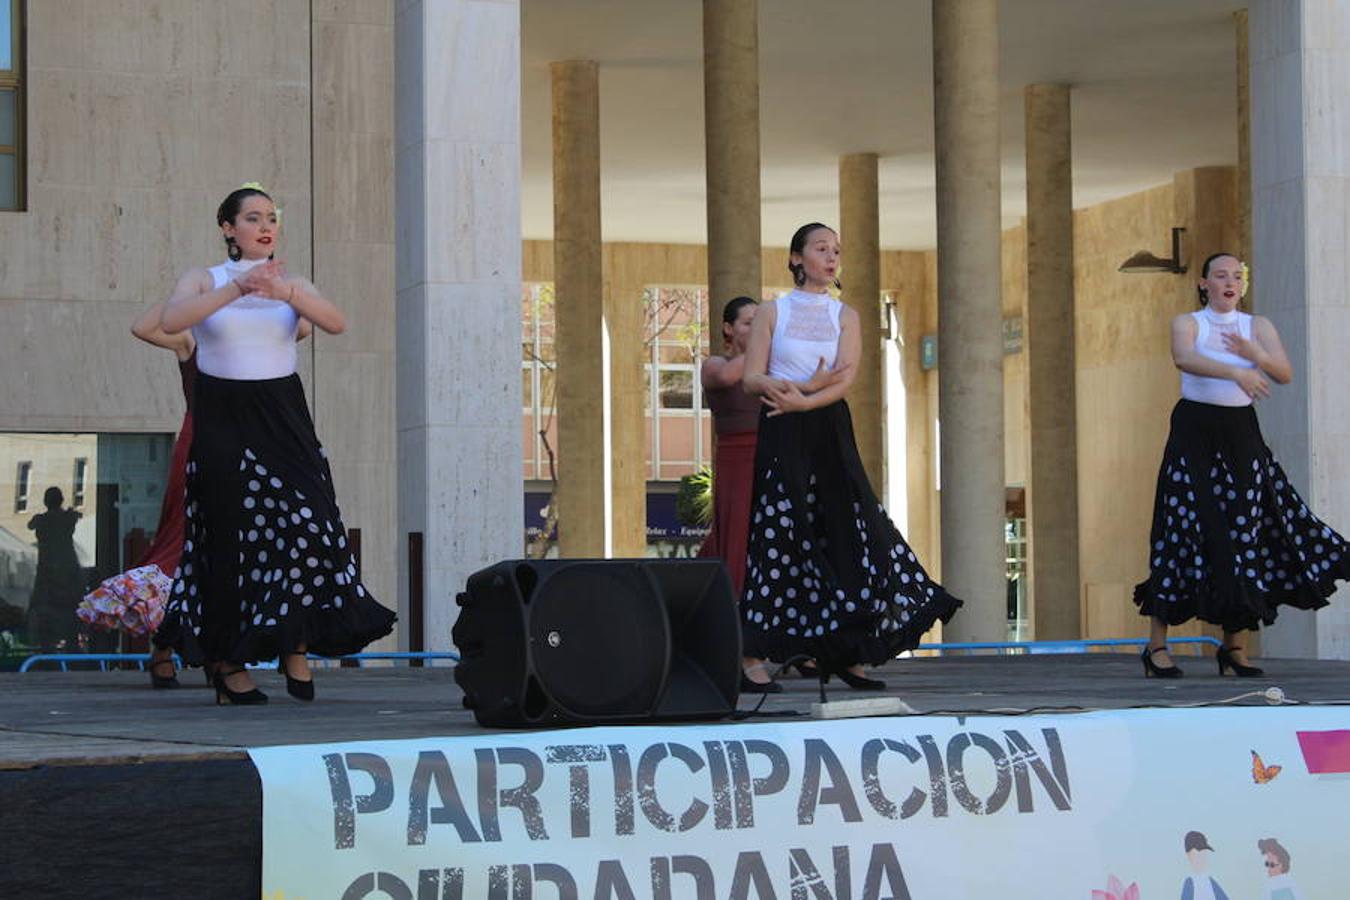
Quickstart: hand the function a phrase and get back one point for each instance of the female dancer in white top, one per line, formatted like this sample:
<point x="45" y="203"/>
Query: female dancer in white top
<point x="828" y="576"/>
<point x="1231" y="538"/>
<point x="266" y="571"/>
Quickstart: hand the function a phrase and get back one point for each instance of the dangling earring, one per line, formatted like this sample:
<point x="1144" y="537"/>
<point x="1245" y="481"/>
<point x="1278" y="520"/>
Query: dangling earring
<point x="1204" y="296"/>
<point x="798" y="274"/>
<point x="233" y="250"/>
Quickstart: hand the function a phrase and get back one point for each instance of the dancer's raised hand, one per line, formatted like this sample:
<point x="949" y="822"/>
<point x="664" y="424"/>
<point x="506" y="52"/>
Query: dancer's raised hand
<point x="824" y="376"/>
<point x="1252" y="382"/>
<point x="785" y="397"/>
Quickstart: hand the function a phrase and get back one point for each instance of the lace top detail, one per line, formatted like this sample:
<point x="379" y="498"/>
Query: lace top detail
<point x="806" y="330"/>
<point x="811" y="322"/>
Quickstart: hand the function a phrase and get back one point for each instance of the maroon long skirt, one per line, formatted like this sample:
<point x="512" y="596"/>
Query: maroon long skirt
<point x="167" y="546"/>
<point x="733" y="483"/>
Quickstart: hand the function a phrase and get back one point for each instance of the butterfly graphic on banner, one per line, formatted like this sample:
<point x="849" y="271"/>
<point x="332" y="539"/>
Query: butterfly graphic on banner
<point x="1262" y="773"/>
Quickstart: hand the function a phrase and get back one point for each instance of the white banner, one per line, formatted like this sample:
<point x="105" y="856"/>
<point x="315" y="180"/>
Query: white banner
<point x="1201" y="803"/>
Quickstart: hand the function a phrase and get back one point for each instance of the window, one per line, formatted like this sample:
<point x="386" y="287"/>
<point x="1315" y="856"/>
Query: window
<point x="11" y="106"/>
<point x="1015" y="557"/>
<point x="76" y="534"/>
<point x="77" y="482"/>
<point x="538" y="391"/>
<point x="677" y="343"/>
<point x="22" y="480"/>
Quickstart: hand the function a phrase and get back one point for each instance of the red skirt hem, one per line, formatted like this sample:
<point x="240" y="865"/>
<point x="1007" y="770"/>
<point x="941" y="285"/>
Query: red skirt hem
<point x="733" y="483"/>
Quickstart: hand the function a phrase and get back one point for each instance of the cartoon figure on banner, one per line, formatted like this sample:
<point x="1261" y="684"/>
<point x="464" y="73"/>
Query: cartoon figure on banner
<point x="1116" y="890"/>
<point x="1262" y="773"/>
<point x="1279" y="883"/>
<point x="1199" y="886"/>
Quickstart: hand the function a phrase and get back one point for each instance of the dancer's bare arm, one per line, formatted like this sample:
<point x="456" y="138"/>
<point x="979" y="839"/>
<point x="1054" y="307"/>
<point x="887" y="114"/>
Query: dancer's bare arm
<point x="718" y="372"/>
<point x="194" y="298"/>
<point x="312" y="306"/>
<point x="1264" y="349"/>
<point x="1188" y="359"/>
<point x="147" y="328"/>
<point x="755" y="379"/>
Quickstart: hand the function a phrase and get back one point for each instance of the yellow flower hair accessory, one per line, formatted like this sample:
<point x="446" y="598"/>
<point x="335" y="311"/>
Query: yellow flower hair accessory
<point x="1246" y="278"/>
<point x="257" y="186"/>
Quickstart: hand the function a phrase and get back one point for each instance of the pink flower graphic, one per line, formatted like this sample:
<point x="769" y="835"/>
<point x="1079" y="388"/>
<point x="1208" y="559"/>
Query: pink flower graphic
<point x="1116" y="890"/>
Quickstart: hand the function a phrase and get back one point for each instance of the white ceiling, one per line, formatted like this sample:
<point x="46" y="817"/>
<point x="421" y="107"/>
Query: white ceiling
<point x="1153" y="93"/>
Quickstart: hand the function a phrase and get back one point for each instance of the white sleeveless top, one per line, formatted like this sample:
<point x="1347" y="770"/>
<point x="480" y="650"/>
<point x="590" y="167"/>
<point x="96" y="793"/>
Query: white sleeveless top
<point x="1210" y="329"/>
<point x="806" y="330"/>
<point x="249" y="339"/>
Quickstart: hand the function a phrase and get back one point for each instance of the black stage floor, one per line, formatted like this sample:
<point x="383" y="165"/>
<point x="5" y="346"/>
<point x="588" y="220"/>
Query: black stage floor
<point x="110" y="789"/>
<point x="84" y="718"/>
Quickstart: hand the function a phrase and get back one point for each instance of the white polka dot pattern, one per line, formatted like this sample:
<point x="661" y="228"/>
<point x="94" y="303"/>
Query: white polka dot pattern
<point x="1232" y="540"/>
<point x="827" y="573"/>
<point x="292" y="555"/>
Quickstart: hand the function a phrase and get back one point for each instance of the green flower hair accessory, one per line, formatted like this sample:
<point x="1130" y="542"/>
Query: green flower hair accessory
<point x="1246" y="275"/>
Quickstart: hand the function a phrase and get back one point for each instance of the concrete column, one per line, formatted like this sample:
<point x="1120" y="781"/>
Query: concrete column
<point x="457" y="272"/>
<point x="859" y="229"/>
<point x="1053" y="488"/>
<point x="1244" y="141"/>
<point x="914" y="324"/>
<point x="970" y="340"/>
<point x="354" y="266"/>
<point x="628" y="444"/>
<point x="1300" y="114"/>
<point x="578" y="279"/>
<point x="731" y="126"/>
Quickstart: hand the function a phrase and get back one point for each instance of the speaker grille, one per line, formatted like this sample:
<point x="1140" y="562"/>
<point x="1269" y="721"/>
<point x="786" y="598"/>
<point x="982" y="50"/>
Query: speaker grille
<point x="599" y="640"/>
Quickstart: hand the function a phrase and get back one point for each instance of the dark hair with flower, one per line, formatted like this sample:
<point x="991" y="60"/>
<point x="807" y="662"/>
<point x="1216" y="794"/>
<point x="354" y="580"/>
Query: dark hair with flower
<point x="229" y="208"/>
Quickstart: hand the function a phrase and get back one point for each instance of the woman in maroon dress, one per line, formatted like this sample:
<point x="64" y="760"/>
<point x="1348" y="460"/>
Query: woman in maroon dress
<point x="735" y="416"/>
<point x="133" y="600"/>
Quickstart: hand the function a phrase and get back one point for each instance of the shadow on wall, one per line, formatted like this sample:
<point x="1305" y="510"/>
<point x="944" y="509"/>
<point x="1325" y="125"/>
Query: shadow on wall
<point x="59" y="582"/>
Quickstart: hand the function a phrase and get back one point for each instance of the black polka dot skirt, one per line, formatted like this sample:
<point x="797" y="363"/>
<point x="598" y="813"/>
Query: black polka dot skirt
<point x="827" y="573"/>
<point x="266" y="567"/>
<point x="1231" y="538"/>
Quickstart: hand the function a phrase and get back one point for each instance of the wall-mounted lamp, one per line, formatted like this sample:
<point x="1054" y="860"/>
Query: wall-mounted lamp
<point x="1143" y="261"/>
<point x="890" y="321"/>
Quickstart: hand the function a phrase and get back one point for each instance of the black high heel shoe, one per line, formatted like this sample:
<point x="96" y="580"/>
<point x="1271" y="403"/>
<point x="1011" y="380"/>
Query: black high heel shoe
<point x="857" y="682"/>
<point x="300" y="690"/>
<point x="227" y="697"/>
<point x="749" y="686"/>
<point x="1226" y="661"/>
<point x="1153" y="670"/>
<point x="163" y="682"/>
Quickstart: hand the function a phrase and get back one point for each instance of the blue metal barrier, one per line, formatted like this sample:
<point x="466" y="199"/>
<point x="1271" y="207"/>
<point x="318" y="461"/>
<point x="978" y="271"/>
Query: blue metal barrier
<point x="1060" y="646"/>
<point x="63" y="660"/>
<point x="396" y="655"/>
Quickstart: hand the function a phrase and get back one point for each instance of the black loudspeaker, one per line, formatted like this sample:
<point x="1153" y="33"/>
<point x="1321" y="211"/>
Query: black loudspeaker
<point x="546" y="642"/>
